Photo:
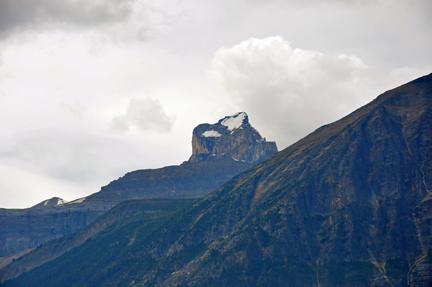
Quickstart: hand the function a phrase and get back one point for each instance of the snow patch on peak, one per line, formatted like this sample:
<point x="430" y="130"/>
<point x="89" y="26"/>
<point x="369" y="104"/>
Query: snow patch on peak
<point x="55" y="201"/>
<point x="61" y="201"/>
<point x="80" y="200"/>
<point x="211" y="133"/>
<point x="234" y="121"/>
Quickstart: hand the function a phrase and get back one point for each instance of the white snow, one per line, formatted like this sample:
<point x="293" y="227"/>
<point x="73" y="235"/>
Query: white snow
<point x="211" y="133"/>
<point x="61" y="201"/>
<point x="234" y="121"/>
<point x="45" y="203"/>
<point x="77" y="201"/>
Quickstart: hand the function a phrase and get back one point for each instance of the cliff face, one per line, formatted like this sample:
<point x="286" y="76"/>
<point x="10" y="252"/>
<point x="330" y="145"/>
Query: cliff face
<point x="348" y="205"/>
<point x="188" y="180"/>
<point x="239" y="149"/>
<point x="22" y="229"/>
<point x="232" y="136"/>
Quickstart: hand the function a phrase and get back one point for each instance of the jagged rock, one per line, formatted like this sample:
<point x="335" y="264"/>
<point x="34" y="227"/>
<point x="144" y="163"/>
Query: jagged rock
<point x="232" y="136"/>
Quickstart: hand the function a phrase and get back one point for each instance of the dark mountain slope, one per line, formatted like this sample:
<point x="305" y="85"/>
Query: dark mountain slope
<point x="348" y="205"/>
<point x="122" y="214"/>
<point x="189" y="180"/>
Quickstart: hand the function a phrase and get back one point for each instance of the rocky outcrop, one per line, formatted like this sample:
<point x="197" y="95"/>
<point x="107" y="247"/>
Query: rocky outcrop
<point x="232" y="136"/>
<point x="239" y="149"/>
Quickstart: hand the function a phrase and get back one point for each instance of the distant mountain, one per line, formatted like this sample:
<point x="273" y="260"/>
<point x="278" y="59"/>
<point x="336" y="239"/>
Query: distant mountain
<point x="348" y="205"/>
<point x="50" y="202"/>
<point x="23" y="229"/>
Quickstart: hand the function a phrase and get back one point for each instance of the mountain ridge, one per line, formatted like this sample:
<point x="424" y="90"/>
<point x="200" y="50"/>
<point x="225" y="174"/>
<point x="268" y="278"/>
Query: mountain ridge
<point x="22" y="229"/>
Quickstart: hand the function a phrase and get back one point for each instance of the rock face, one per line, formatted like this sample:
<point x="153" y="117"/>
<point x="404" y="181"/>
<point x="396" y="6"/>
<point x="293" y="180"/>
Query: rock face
<point x="188" y="180"/>
<point x="22" y="229"/>
<point x="348" y="205"/>
<point x="231" y="136"/>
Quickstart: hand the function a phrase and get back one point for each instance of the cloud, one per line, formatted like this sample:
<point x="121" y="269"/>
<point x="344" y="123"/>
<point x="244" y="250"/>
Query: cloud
<point x="71" y="163"/>
<point x="143" y="114"/>
<point x="288" y="91"/>
<point x="16" y="14"/>
<point x="19" y="193"/>
<point x="63" y="154"/>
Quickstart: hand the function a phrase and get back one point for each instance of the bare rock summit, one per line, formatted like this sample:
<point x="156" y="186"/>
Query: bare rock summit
<point x="233" y="137"/>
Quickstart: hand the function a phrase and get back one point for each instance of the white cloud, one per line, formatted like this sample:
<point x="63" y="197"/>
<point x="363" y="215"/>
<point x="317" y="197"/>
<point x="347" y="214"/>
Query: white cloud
<point x="289" y="91"/>
<point x="143" y="114"/>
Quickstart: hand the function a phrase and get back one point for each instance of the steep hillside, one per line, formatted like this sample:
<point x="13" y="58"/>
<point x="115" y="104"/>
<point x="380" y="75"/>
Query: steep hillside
<point x="348" y="205"/>
<point x="188" y="180"/>
<point x="124" y="213"/>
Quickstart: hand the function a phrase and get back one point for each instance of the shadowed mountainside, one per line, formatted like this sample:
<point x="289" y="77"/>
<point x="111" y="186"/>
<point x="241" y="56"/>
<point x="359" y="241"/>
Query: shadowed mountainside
<point x="348" y="205"/>
<point x="124" y="213"/>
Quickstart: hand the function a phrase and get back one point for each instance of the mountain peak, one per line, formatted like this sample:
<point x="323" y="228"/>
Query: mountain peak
<point x="232" y="136"/>
<point x="50" y="202"/>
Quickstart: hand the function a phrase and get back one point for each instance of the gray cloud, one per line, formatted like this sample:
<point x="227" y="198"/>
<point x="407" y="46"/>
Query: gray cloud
<point x="61" y="154"/>
<point x="289" y="92"/>
<point x="75" y="155"/>
<point x="320" y="2"/>
<point x="31" y="14"/>
<point x="144" y="114"/>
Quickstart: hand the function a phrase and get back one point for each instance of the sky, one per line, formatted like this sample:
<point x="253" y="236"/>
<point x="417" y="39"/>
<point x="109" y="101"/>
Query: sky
<point x="93" y="89"/>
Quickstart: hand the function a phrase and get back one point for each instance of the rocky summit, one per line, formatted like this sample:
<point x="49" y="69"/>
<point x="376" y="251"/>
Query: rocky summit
<point x="348" y="205"/>
<point x="23" y="229"/>
<point x="232" y="136"/>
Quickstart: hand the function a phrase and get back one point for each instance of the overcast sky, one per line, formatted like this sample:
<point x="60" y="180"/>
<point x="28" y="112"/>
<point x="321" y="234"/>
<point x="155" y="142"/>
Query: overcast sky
<point x="92" y="89"/>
